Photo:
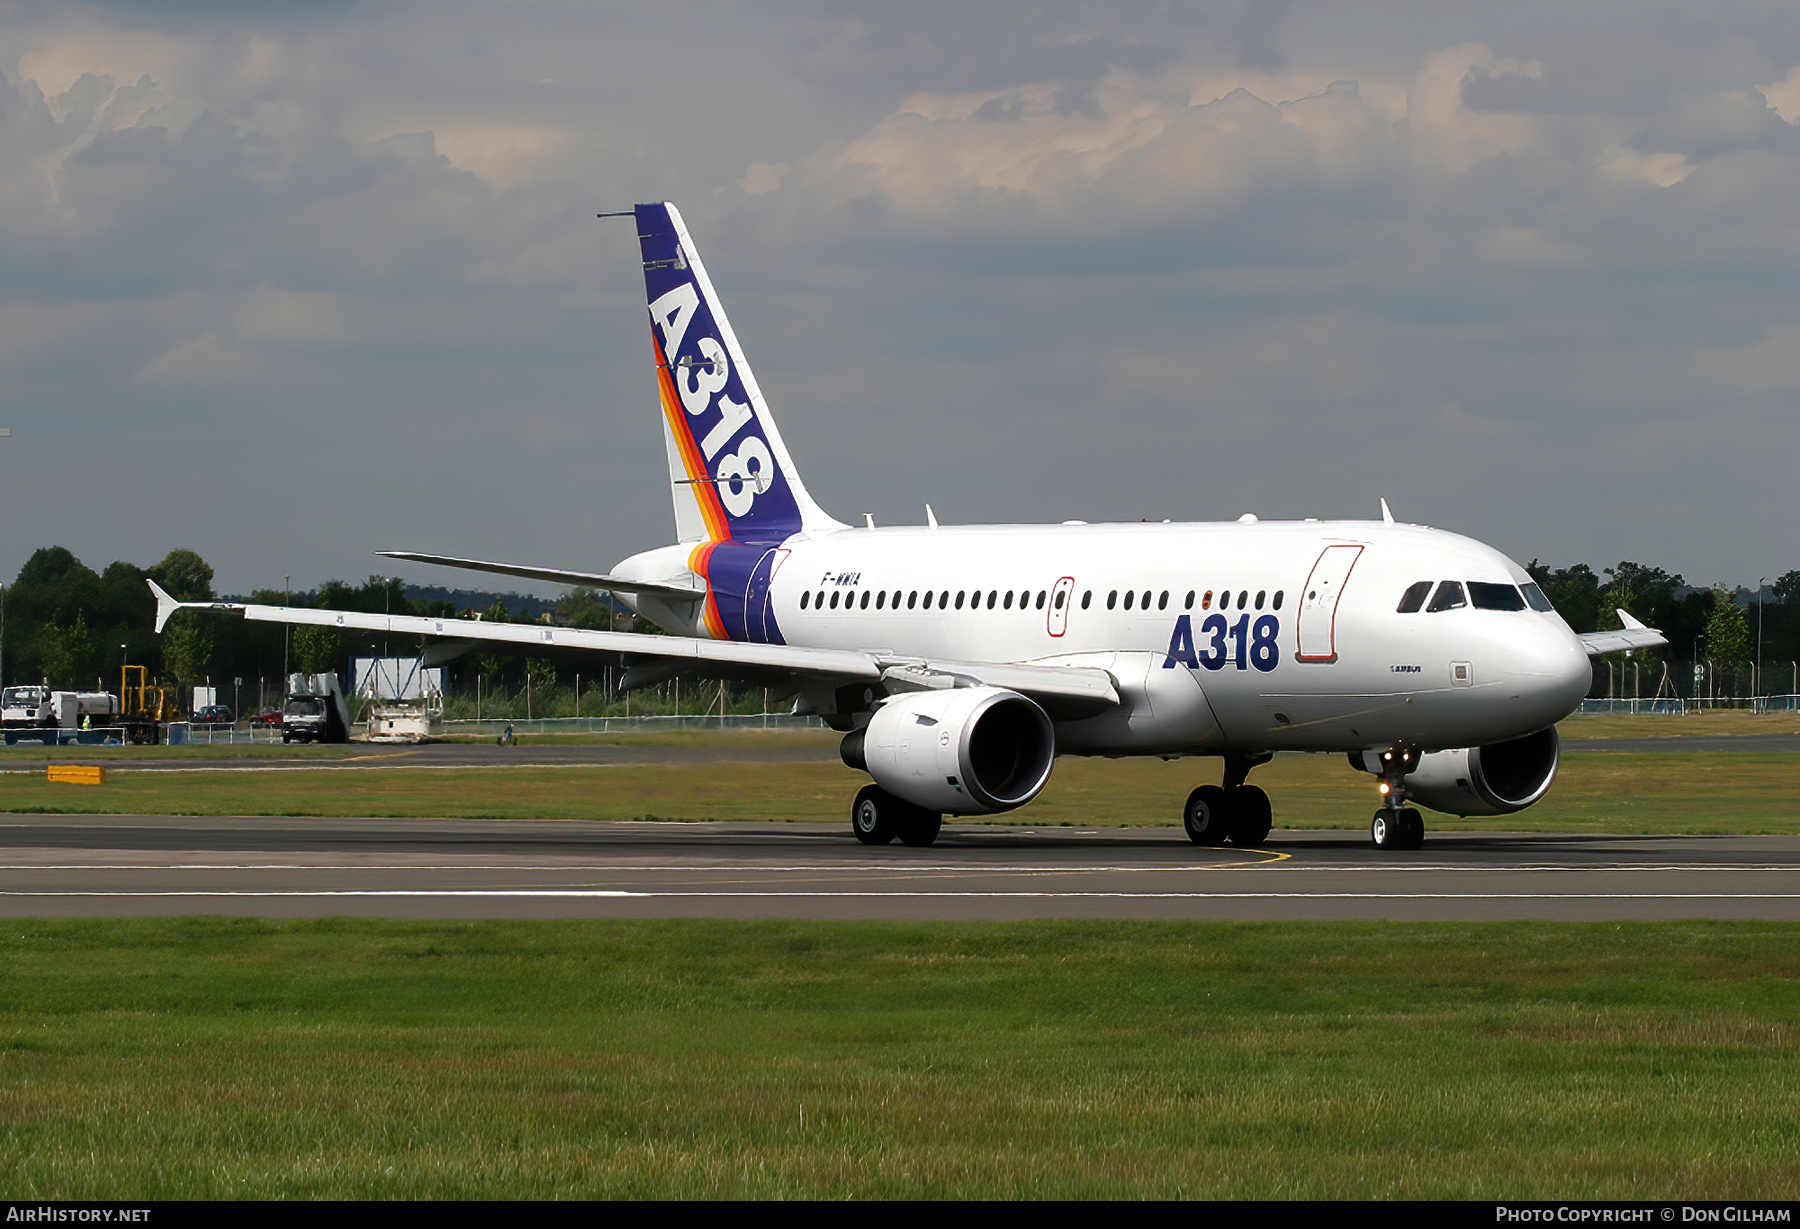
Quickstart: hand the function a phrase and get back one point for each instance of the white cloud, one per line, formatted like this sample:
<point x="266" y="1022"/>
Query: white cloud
<point x="502" y="155"/>
<point x="1771" y="365"/>
<point x="270" y="316"/>
<point x="59" y="62"/>
<point x="763" y="177"/>
<point x="1784" y="95"/>
<point x="1526" y="246"/>
<point x="1664" y="170"/>
<point x="204" y="359"/>
<point x="1446" y="131"/>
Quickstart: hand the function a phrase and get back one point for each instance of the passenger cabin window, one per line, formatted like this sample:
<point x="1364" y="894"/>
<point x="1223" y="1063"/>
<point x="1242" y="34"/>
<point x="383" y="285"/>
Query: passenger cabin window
<point x="1413" y="598"/>
<point x="1534" y="597"/>
<point x="1146" y="602"/>
<point x="1112" y="599"/>
<point x="1130" y="596"/>
<point x="1206" y="602"/>
<point x="1085" y="599"/>
<point x="865" y="599"/>
<point x="1485" y="596"/>
<point x="1448" y="597"/>
<point x="805" y="599"/>
<point x="1162" y="600"/>
<point x="1189" y="603"/>
<point x="1277" y="603"/>
<point x="1261" y="594"/>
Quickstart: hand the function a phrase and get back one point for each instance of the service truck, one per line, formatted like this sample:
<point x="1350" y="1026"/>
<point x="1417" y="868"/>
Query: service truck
<point x="315" y="710"/>
<point x="41" y="708"/>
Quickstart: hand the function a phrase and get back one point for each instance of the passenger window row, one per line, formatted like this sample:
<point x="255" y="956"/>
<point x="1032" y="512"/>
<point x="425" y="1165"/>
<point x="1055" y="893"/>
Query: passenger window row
<point x="880" y="599"/>
<point x="1206" y="601"/>
<point x="1483" y="595"/>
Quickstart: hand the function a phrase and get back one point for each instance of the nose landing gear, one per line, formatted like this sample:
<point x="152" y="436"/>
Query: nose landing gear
<point x="1396" y="825"/>
<point x="1234" y="811"/>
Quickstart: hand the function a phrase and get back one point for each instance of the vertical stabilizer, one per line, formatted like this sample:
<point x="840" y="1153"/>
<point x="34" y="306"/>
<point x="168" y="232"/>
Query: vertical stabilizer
<point x="733" y="479"/>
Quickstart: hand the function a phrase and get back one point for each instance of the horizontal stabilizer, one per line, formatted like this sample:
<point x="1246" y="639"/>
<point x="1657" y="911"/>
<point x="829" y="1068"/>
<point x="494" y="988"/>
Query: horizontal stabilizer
<point x="556" y="576"/>
<point x="1632" y="634"/>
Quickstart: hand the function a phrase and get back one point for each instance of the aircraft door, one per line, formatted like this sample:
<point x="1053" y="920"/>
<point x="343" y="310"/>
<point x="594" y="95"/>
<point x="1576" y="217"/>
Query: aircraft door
<point x="1315" y="632"/>
<point x="1056" y="615"/>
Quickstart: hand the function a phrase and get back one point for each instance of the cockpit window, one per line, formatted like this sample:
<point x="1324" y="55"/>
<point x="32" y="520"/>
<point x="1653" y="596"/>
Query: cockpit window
<point x="1487" y="596"/>
<point x="1534" y="597"/>
<point x="1413" y="598"/>
<point x="1448" y="597"/>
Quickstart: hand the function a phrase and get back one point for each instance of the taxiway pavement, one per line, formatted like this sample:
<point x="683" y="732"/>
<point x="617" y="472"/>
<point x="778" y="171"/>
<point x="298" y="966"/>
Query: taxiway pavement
<point x="118" y="865"/>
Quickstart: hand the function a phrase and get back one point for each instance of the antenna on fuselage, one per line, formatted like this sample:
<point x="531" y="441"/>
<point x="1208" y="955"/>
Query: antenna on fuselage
<point x="930" y="517"/>
<point x="1387" y="516"/>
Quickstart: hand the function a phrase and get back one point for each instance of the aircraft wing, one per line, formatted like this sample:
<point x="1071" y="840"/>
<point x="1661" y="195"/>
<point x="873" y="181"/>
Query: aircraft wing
<point x="1632" y="634"/>
<point x="1066" y="691"/>
<point x="556" y="576"/>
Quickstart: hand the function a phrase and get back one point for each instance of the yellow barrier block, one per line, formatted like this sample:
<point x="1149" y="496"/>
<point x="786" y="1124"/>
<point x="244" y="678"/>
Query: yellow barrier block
<point x="78" y="774"/>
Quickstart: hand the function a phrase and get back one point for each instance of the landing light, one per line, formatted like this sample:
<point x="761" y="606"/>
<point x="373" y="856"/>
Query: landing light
<point x="1384" y="787"/>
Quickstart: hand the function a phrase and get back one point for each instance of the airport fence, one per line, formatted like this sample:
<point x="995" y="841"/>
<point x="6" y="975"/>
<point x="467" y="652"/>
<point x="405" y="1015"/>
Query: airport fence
<point x="495" y="727"/>
<point x="1679" y="706"/>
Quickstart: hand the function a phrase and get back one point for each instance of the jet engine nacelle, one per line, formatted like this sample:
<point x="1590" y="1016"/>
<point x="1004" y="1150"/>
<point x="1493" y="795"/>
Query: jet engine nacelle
<point x="962" y="750"/>
<point x="1493" y="780"/>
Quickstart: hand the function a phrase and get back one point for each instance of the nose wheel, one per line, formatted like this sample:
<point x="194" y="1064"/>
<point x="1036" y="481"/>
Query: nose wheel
<point x="1396" y="825"/>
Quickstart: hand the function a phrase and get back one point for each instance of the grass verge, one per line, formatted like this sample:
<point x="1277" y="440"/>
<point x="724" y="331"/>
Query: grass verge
<point x="208" y="1057"/>
<point x="1620" y="792"/>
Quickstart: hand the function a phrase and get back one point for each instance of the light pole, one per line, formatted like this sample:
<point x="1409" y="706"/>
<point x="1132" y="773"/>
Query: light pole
<point x="287" y="598"/>
<point x="1756" y="680"/>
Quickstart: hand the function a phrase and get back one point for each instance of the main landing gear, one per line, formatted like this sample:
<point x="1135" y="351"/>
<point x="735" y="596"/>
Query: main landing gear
<point x="1396" y="825"/>
<point x="878" y="817"/>
<point x="1233" y="811"/>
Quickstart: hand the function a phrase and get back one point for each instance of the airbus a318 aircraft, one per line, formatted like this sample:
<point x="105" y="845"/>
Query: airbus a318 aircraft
<point x="960" y="661"/>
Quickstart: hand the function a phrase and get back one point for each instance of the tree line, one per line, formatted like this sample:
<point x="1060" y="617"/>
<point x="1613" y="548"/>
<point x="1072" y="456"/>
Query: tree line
<point x="73" y="627"/>
<point x="1717" y="624"/>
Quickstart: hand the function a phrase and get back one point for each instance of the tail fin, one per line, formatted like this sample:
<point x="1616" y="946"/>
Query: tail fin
<point x="731" y="474"/>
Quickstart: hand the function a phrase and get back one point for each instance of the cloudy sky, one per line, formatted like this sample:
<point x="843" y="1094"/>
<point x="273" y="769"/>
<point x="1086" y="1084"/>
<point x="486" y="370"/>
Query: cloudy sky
<point x="290" y="283"/>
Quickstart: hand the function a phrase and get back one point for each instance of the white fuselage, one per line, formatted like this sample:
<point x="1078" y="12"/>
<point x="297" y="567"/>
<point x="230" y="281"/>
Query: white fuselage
<point x="1243" y="637"/>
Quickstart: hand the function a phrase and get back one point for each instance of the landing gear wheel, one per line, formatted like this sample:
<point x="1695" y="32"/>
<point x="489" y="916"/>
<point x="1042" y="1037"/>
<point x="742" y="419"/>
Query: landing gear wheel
<point x="918" y="827"/>
<point x="1391" y="829"/>
<point x="872" y="815"/>
<point x="1207" y="815"/>
<point x="1250" y="815"/>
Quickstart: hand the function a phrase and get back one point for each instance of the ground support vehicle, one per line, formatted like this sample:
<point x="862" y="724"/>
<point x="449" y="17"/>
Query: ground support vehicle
<point x="315" y="710"/>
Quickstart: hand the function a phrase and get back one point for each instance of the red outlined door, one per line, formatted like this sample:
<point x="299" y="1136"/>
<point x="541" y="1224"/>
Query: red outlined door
<point x="1315" y="632"/>
<point x="1056" y="618"/>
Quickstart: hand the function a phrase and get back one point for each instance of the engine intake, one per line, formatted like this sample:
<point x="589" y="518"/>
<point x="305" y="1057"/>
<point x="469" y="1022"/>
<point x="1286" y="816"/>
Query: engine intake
<point x="963" y="750"/>
<point x="1496" y="779"/>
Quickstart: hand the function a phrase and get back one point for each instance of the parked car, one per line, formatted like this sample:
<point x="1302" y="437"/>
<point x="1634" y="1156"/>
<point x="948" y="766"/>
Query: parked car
<point x="268" y="717"/>
<point x="215" y="714"/>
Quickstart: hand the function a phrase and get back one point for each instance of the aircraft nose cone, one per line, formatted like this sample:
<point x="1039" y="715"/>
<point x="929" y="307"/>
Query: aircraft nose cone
<point x="1554" y="674"/>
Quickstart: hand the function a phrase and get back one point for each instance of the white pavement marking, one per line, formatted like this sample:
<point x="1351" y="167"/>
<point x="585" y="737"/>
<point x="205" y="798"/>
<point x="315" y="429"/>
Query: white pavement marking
<point x="549" y="893"/>
<point x="902" y="868"/>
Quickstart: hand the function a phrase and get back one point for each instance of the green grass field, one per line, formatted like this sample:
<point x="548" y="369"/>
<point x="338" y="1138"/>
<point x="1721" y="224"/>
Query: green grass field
<point x="352" y="1059"/>
<point x="1664" y="792"/>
